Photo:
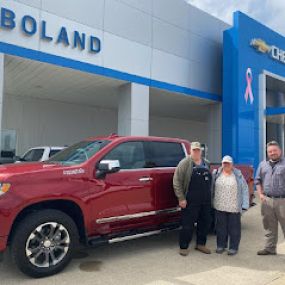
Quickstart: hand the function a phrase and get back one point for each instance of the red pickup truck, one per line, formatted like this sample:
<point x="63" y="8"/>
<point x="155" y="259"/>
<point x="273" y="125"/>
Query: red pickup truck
<point x="100" y="190"/>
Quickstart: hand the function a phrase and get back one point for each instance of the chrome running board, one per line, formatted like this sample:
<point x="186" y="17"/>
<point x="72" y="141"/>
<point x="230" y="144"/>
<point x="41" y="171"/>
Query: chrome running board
<point x="119" y="239"/>
<point x="130" y="235"/>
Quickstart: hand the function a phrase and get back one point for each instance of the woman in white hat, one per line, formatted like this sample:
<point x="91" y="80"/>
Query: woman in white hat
<point x="230" y="197"/>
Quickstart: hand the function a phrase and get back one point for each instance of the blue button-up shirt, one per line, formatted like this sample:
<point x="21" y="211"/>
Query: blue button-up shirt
<point x="272" y="179"/>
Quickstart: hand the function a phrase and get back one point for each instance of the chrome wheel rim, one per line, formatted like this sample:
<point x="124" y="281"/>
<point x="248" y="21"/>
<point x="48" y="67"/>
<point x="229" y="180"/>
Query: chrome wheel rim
<point x="47" y="245"/>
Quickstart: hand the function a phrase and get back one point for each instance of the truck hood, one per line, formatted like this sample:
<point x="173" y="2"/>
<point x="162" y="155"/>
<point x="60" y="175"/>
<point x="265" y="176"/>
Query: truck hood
<point x="8" y="170"/>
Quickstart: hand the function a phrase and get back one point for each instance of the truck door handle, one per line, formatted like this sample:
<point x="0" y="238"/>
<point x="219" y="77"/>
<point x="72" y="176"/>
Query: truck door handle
<point x="145" y="179"/>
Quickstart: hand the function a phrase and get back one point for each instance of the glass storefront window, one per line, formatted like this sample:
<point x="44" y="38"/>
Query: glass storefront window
<point x="7" y="145"/>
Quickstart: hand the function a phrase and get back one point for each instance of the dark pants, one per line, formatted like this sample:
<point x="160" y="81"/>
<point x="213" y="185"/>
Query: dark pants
<point x="190" y="215"/>
<point x="228" y="227"/>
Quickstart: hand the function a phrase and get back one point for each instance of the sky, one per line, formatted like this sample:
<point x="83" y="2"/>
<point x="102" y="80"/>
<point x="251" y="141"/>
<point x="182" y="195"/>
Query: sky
<point x="269" y="12"/>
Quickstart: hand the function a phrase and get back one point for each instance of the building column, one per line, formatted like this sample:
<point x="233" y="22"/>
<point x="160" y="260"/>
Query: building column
<point x="133" y="113"/>
<point x="215" y="133"/>
<point x="261" y="131"/>
<point x="1" y="94"/>
<point x="281" y="133"/>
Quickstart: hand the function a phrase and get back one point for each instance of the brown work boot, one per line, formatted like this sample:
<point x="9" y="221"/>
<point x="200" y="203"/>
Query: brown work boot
<point x="266" y="252"/>
<point x="184" y="252"/>
<point x="203" y="249"/>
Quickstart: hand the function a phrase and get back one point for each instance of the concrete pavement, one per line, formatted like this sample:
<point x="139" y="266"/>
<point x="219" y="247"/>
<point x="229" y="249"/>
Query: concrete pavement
<point x="155" y="261"/>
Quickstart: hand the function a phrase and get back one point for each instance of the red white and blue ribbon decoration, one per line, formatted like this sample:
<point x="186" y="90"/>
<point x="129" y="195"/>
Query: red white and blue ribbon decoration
<point x="248" y="91"/>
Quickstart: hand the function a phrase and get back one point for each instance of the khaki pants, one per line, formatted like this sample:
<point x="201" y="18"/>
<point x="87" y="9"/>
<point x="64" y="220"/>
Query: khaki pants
<point x="273" y="211"/>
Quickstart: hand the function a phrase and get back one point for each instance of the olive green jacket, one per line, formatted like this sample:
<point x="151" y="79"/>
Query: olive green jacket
<point x="182" y="177"/>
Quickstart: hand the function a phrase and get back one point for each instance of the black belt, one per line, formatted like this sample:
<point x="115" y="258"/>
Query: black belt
<point x="273" y="196"/>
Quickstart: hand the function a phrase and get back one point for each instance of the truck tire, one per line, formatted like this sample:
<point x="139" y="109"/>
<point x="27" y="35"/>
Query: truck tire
<point x="43" y="243"/>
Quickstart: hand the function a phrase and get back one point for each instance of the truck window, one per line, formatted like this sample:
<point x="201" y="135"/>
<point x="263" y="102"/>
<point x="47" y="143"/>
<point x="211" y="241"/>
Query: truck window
<point x="53" y="152"/>
<point x="33" y="155"/>
<point x="130" y="154"/>
<point x="164" y="154"/>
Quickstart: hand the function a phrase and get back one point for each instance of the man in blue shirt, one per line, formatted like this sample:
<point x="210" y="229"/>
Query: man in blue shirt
<point x="270" y="184"/>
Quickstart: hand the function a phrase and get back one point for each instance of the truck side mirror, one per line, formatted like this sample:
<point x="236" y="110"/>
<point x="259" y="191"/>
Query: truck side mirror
<point x="107" y="166"/>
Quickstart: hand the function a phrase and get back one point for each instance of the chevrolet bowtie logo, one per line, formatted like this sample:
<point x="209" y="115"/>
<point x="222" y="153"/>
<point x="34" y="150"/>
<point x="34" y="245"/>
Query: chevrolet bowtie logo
<point x="260" y="45"/>
<point x="272" y="51"/>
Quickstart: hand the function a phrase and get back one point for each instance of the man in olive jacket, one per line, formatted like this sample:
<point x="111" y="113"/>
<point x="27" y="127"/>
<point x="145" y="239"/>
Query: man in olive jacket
<point x="192" y="186"/>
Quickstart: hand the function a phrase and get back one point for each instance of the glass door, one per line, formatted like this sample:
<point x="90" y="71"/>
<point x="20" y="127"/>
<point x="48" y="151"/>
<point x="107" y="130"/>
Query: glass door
<point x="275" y="129"/>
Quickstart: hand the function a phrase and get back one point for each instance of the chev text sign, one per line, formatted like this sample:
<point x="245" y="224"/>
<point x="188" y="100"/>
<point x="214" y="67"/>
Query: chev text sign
<point x="30" y="27"/>
<point x="274" y="51"/>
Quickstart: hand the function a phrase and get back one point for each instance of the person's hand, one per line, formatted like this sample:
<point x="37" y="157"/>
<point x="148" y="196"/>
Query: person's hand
<point x="262" y="198"/>
<point x="183" y="204"/>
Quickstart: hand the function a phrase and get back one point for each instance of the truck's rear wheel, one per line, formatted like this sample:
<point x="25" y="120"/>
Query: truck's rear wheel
<point x="43" y="243"/>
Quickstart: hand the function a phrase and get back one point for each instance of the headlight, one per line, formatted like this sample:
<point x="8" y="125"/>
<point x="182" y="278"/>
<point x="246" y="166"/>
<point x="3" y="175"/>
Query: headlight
<point x="4" y="188"/>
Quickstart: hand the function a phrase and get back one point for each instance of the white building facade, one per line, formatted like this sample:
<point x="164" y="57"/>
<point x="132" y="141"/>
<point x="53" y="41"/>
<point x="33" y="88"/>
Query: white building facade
<point x="72" y="69"/>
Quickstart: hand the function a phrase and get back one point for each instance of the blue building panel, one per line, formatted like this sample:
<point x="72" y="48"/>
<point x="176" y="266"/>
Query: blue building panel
<point x="248" y="48"/>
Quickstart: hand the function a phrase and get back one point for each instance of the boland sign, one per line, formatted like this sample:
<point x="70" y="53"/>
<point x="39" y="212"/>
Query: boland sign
<point x="275" y="52"/>
<point x="29" y="26"/>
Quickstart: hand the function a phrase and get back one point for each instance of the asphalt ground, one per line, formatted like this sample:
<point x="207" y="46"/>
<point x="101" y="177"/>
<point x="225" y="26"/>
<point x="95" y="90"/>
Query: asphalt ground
<point x="155" y="261"/>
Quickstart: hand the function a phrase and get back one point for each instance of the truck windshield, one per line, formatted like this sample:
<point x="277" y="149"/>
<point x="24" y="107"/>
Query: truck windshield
<point x="78" y="153"/>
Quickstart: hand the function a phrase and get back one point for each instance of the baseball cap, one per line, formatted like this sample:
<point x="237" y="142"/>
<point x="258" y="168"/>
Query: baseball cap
<point x="228" y="159"/>
<point x="195" y="145"/>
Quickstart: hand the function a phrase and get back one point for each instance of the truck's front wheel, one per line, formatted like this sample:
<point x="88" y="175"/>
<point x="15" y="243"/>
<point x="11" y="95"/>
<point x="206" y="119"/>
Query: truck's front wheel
<point x="43" y="243"/>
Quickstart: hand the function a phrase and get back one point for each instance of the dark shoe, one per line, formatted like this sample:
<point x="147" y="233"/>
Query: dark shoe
<point x="220" y="250"/>
<point x="184" y="252"/>
<point x="266" y="252"/>
<point x="203" y="249"/>
<point x="232" y="252"/>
